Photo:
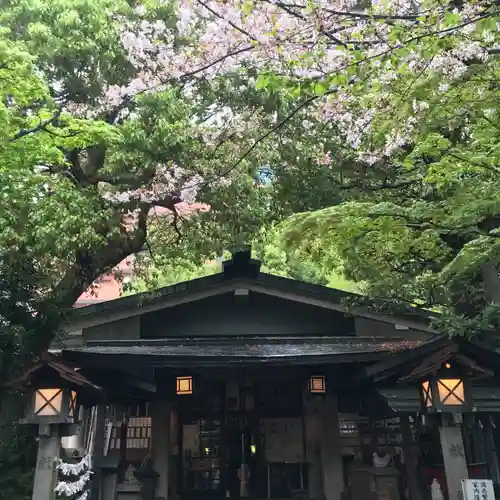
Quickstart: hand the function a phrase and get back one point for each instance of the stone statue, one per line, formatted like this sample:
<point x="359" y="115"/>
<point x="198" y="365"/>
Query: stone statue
<point x="381" y="460"/>
<point x="130" y="475"/>
<point x="436" y="492"/>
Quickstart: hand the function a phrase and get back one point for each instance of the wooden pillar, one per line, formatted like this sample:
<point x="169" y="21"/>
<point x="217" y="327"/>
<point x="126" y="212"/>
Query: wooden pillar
<point x="455" y="464"/>
<point x="410" y="459"/>
<point x="313" y="431"/>
<point x="331" y="452"/>
<point x="173" y="466"/>
<point x="160" y="435"/>
<point x="49" y="449"/>
<point x="98" y="452"/>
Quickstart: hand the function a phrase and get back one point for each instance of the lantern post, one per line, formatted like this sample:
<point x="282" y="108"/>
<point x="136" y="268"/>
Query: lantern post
<point x="447" y="393"/>
<point x="50" y="408"/>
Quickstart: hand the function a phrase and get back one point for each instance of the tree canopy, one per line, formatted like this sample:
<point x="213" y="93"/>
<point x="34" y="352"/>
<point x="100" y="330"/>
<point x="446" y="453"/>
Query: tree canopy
<point x="377" y="123"/>
<point x="364" y="136"/>
<point x="422" y="117"/>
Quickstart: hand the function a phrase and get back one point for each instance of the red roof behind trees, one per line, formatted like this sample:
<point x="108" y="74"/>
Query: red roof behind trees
<point x="108" y="287"/>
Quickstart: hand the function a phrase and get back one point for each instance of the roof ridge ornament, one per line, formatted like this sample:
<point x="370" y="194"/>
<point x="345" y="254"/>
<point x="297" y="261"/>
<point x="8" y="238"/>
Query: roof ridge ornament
<point x="241" y="264"/>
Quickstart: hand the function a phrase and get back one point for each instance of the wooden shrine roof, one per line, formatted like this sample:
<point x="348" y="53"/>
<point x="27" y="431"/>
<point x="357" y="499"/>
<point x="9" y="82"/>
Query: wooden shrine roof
<point x="54" y="366"/>
<point x="239" y="272"/>
<point x="481" y="358"/>
<point x="433" y="363"/>
<point x="224" y="351"/>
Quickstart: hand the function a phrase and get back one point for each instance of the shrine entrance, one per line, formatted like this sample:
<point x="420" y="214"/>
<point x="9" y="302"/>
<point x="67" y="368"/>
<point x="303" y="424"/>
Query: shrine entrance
<point x="242" y="440"/>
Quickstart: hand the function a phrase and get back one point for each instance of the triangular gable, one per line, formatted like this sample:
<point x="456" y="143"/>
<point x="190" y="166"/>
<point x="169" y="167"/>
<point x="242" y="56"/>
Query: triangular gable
<point x="429" y="357"/>
<point x="397" y="380"/>
<point x="432" y="364"/>
<point x="244" y="276"/>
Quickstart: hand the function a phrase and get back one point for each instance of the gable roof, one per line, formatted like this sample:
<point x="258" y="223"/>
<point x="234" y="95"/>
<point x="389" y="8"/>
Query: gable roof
<point x="53" y="367"/>
<point x="241" y="272"/>
<point x="431" y="355"/>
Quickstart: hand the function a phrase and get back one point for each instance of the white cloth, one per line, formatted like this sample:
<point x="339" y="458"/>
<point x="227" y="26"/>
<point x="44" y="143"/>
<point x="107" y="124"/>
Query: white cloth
<point x="436" y="492"/>
<point x="74" y="469"/>
<point x="70" y="489"/>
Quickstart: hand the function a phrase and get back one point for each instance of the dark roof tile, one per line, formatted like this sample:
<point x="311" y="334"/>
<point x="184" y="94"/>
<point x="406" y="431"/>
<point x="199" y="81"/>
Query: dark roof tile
<point x="258" y="349"/>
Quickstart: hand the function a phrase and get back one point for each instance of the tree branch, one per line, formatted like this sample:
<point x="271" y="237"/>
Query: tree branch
<point x="475" y="163"/>
<point x="263" y="137"/>
<point x="325" y="33"/>
<point x="41" y="126"/>
<point x="111" y="116"/>
<point x="384" y="185"/>
<point x="359" y="15"/>
<point x="219" y="16"/>
<point x="90" y="264"/>
<point x="491" y="280"/>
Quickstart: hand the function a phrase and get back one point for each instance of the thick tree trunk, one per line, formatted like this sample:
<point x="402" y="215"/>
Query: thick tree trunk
<point x="87" y="268"/>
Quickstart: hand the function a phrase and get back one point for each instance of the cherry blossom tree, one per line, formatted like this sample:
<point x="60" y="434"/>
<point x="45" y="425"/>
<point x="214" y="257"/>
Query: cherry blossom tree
<point x="382" y="116"/>
<point x="418" y="114"/>
<point x="134" y="105"/>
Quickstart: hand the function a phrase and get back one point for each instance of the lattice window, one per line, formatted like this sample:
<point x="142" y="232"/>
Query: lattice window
<point x="48" y="402"/>
<point x="72" y="404"/>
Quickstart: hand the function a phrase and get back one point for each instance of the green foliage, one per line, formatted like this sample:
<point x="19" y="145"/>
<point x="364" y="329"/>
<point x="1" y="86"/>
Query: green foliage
<point x="94" y="139"/>
<point x="17" y="451"/>
<point x="177" y="270"/>
<point x="417" y="210"/>
<point x="423" y="234"/>
<point x="152" y="274"/>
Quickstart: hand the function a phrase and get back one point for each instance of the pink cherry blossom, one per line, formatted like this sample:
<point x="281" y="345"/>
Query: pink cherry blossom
<point x="321" y="40"/>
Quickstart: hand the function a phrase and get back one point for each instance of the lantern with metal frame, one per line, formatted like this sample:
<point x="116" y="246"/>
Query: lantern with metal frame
<point x="55" y="392"/>
<point x="446" y="391"/>
<point x="317" y="384"/>
<point x="184" y="385"/>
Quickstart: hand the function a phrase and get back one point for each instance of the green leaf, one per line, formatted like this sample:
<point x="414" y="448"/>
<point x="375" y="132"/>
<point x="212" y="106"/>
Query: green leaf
<point x="320" y="88"/>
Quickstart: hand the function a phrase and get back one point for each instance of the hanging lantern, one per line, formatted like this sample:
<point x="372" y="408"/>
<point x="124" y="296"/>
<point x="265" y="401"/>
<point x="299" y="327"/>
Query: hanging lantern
<point x="317" y="384"/>
<point x="184" y="385"/>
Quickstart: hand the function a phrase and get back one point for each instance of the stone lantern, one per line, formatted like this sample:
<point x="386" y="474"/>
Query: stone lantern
<point x="447" y="390"/>
<point x="55" y="392"/>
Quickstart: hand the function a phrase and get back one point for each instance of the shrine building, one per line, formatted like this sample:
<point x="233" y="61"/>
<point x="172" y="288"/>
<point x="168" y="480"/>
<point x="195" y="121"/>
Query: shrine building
<point x="248" y="385"/>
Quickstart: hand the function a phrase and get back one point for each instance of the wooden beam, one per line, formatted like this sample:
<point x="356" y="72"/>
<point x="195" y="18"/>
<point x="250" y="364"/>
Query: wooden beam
<point x="98" y="453"/>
